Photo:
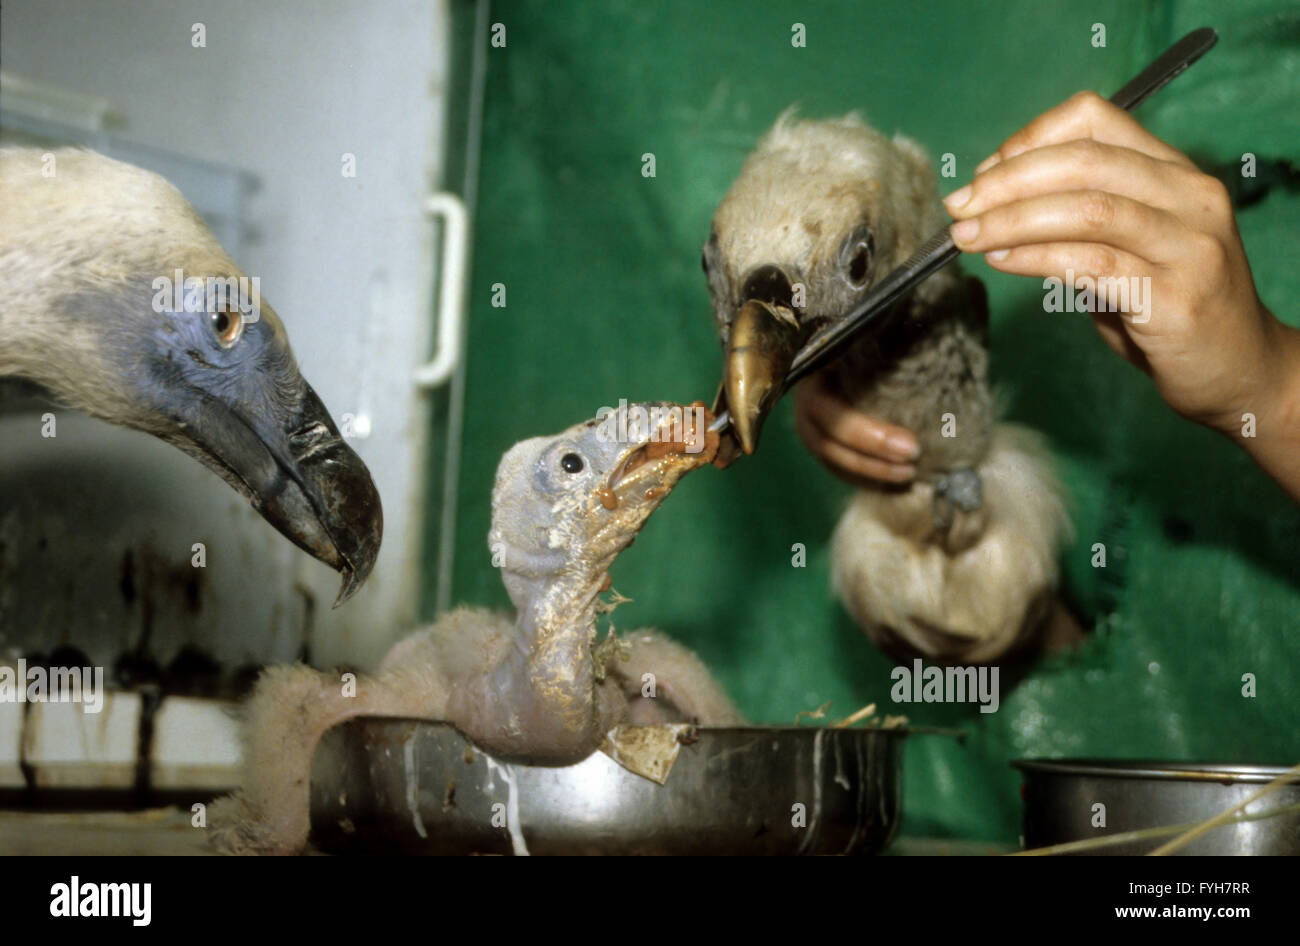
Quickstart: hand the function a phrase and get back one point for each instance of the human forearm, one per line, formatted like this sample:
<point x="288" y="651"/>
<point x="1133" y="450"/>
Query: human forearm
<point x="1270" y="433"/>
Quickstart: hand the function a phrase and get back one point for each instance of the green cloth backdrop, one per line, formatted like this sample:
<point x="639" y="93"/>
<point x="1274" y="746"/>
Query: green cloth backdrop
<point x="605" y="300"/>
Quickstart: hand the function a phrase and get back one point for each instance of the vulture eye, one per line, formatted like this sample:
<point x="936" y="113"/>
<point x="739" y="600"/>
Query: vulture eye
<point x="858" y="266"/>
<point x="858" y="254"/>
<point x="227" y="327"/>
<point x="571" y="462"/>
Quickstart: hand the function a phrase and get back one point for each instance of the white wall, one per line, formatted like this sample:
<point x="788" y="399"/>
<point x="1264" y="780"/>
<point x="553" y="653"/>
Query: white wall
<point x="283" y="90"/>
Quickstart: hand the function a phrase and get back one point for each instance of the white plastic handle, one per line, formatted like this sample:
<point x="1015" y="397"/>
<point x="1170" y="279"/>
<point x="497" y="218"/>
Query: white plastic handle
<point x="451" y="293"/>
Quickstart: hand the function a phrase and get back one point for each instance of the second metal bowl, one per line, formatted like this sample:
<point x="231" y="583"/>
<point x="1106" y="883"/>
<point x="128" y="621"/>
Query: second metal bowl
<point x="1062" y="796"/>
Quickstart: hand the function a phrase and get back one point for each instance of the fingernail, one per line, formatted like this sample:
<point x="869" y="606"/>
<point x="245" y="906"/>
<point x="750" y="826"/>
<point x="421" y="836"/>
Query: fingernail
<point x="958" y="198"/>
<point x="987" y="163"/>
<point x="965" y="231"/>
<point x="902" y="473"/>
<point x="903" y="447"/>
<point x="997" y="256"/>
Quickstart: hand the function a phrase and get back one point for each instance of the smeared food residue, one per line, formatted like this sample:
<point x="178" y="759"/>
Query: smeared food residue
<point x="517" y="843"/>
<point x="648" y="751"/>
<point x="412" y="786"/>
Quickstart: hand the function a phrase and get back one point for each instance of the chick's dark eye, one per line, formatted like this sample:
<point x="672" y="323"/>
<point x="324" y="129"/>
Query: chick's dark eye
<point x="704" y="262"/>
<point x="571" y="462"/>
<point x="859" y="263"/>
<point x="858" y="255"/>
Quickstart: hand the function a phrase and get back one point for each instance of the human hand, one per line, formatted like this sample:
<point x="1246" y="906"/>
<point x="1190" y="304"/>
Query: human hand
<point x="1084" y="190"/>
<point x="854" y="446"/>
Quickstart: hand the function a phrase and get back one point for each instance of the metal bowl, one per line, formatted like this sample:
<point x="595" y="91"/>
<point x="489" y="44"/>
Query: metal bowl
<point x="1060" y="795"/>
<point x="385" y="785"/>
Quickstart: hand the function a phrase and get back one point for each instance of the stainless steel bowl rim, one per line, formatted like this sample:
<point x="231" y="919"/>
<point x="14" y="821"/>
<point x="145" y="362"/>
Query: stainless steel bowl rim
<point x="1154" y="769"/>
<point x="387" y="785"/>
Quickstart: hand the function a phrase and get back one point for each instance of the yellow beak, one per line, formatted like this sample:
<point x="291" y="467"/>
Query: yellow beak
<point x="763" y="342"/>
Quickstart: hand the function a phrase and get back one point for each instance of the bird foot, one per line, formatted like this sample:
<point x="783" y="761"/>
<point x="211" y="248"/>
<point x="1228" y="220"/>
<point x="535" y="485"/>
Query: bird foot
<point x="956" y="490"/>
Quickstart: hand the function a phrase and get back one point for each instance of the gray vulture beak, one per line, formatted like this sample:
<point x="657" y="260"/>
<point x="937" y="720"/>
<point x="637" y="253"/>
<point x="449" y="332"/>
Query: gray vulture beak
<point x="262" y="428"/>
<point x="764" y="337"/>
<point x="304" y="480"/>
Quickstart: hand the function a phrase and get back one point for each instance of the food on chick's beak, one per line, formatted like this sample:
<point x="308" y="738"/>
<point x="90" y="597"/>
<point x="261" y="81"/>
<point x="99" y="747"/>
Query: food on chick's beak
<point x="683" y="432"/>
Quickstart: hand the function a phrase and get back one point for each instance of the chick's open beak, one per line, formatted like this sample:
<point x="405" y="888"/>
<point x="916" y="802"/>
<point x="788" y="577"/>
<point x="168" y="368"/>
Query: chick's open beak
<point x="764" y="339"/>
<point x="683" y="442"/>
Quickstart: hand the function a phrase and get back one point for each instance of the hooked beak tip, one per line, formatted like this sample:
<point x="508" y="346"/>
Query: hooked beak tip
<point x="748" y="423"/>
<point x="356" y="529"/>
<point x="352" y="582"/>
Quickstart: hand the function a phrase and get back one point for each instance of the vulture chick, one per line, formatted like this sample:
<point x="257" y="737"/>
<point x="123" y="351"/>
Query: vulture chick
<point x="537" y="688"/>
<point x="90" y="249"/>
<point x="962" y="565"/>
